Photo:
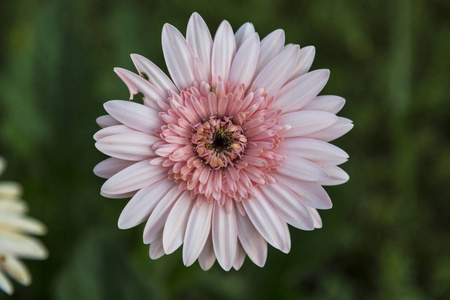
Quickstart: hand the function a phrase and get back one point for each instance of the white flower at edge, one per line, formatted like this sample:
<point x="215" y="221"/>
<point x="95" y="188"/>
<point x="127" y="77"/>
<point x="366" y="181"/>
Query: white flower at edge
<point x="15" y="240"/>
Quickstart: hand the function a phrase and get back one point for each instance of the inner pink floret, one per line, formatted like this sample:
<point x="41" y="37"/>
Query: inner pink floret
<point x="220" y="143"/>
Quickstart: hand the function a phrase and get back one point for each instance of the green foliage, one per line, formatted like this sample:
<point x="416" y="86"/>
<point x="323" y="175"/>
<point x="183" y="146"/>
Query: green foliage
<point x="387" y="234"/>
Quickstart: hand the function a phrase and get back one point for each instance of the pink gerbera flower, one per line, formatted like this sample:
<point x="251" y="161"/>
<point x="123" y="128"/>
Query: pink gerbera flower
<point x="226" y="154"/>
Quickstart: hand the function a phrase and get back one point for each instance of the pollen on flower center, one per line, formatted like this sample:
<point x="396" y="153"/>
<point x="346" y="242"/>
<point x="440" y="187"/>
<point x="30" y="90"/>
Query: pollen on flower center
<point x="219" y="142"/>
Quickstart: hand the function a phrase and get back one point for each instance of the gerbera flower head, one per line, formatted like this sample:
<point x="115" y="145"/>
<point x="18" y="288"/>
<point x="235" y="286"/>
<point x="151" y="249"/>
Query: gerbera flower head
<point x="16" y="242"/>
<point x="226" y="153"/>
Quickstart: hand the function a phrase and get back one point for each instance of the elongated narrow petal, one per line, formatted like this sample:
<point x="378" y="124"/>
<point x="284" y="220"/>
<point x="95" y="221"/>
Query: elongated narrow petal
<point x="16" y="270"/>
<point x="332" y="104"/>
<point x="304" y="62"/>
<point x="113" y="130"/>
<point x="179" y="57"/>
<point x="253" y="243"/>
<point x="299" y="92"/>
<point x="337" y="176"/>
<point x="338" y="129"/>
<point x="302" y="169"/>
<point x="105" y="121"/>
<point x="240" y="257"/>
<point x="306" y="122"/>
<point x="207" y="256"/>
<point x="316" y="217"/>
<point x="243" y="33"/>
<point x="223" y="51"/>
<point x="224" y="236"/>
<point x="271" y="46"/>
<point x="197" y="232"/>
<point x="111" y="166"/>
<point x="200" y="41"/>
<point x="244" y="64"/>
<point x="155" y="75"/>
<point x="135" y="147"/>
<point x="156" y="249"/>
<point x="6" y="285"/>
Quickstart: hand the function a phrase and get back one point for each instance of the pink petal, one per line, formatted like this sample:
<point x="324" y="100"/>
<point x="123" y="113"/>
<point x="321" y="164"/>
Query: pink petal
<point x="153" y="228"/>
<point x="207" y="257"/>
<point x="297" y="93"/>
<point x="265" y="219"/>
<point x="332" y="104"/>
<point x="134" y="177"/>
<point x="223" y="51"/>
<point x="288" y="205"/>
<point x="139" y="208"/>
<point x="287" y="237"/>
<point x="311" y="194"/>
<point x="118" y="196"/>
<point x="106" y="121"/>
<point x="156" y="249"/>
<point x="306" y="122"/>
<point x="179" y="57"/>
<point x="111" y="166"/>
<point x="321" y="153"/>
<point x="200" y="41"/>
<point x="136" y="146"/>
<point x="304" y="62"/>
<point x="271" y="46"/>
<point x="244" y="62"/>
<point x="243" y="33"/>
<point x="252" y="242"/>
<point x="316" y="217"/>
<point x="175" y="227"/>
<point x="197" y="232"/>
<point x="302" y="169"/>
<point x="224" y="236"/>
<point x="112" y="130"/>
<point x="337" y="176"/>
<point x="240" y="257"/>
<point x="134" y="115"/>
<point x="338" y="129"/>
<point x="154" y="74"/>
<point x="277" y="71"/>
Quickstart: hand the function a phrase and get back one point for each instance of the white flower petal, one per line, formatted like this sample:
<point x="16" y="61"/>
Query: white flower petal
<point x="111" y="166"/>
<point x="179" y="57"/>
<point x="128" y="146"/>
<point x="332" y="104"/>
<point x="337" y="176"/>
<point x="265" y="219"/>
<point x="10" y="190"/>
<point x="17" y="207"/>
<point x="299" y="92"/>
<point x="252" y="242"/>
<point x="200" y="41"/>
<point x="338" y="129"/>
<point x="316" y="217"/>
<point x="244" y="63"/>
<point x="106" y="121"/>
<point x="277" y="71"/>
<point x="112" y="130"/>
<point x="302" y="169"/>
<point x="22" y="246"/>
<point x="223" y="51"/>
<point x="134" y="177"/>
<point x="207" y="257"/>
<point x="243" y="33"/>
<point x="139" y="208"/>
<point x="306" y="122"/>
<point x="240" y="257"/>
<point x="321" y="153"/>
<point x="304" y="62"/>
<point x="155" y="75"/>
<point x="156" y="249"/>
<point x="287" y="237"/>
<point x="6" y="285"/>
<point x="224" y="236"/>
<point x="197" y="232"/>
<point x="134" y="115"/>
<point x="271" y="46"/>
<point x="288" y="205"/>
<point x="21" y="224"/>
<point x="17" y="270"/>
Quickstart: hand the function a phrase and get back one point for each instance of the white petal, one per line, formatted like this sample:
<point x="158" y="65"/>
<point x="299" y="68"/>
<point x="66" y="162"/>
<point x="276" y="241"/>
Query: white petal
<point x="275" y="74"/>
<point x="332" y="104"/>
<point x="23" y="224"/>
<point x="200" y="41"/>
<point x="5" y="284"/>
<point x="288" y="206"/>
<point x="175" y="227"/>
<point x="243" y="33"/>
<point x="287" y="237"/>
<point x="311" y="194"/>
<point x="179" y="57"/>
<point x="17" y="207"/>
<point x="223" y="51"/>
<point x="197" y="232"/>
<point x="134" y="115"/>
<point x="10" y="190"/>
<point x="306" y="122"/>
<point x="134" y="177"/>
<point x="134" y="146"/>
<point x="158" y="78"/>
<point x="224" y="236"/>
<point x="252" y="242"/>
<point x="316" y="217"/>
<point x="338" y="129"/>
<point x="302" y="169"/>
<point x="22" y="246"/>
<point x="321" y="153"/>
<point x="337" y="176"/>
<point x="156" y="249"/>
<point x="271" y="46"/>
<point x="299" y="92"/>
<point x="304" y="62"/>
<point x="112" y="130"/>
<point x="155" y="223"/>
<point x="136" y="84"/>
<point x="139" y="208"/>
<point x="106" y="121"/>
<point x="207" y="257"/>
<point x="244" y="63"/>
<point x="240" y="257"/>
<point x="17" y="270"/>
<point x="111" y="166"/>
<point x="265" y="219"/>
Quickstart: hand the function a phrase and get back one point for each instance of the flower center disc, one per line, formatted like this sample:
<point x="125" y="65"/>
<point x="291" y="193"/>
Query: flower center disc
<point x="219" y="142"/>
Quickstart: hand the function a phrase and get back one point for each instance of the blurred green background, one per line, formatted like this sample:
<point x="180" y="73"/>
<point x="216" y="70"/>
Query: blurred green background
<point x="388" y="234"/>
